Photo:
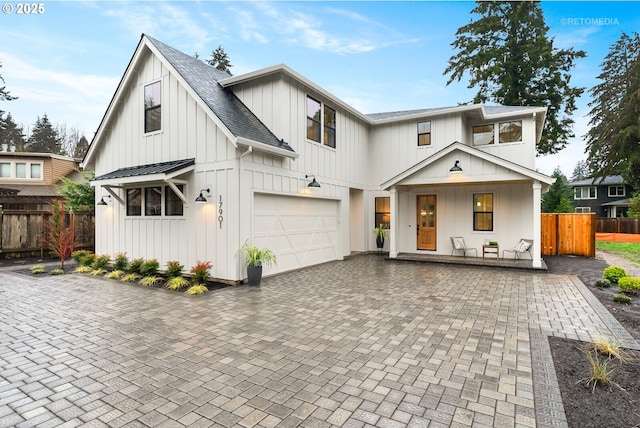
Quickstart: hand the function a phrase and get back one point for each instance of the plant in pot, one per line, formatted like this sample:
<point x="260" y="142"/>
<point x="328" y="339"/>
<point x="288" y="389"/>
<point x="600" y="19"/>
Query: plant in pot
<point x="380" y="232"/>
<point x="255" y="258"/>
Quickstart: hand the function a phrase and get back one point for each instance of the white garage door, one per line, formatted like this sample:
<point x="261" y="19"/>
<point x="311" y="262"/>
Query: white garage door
<point x="301" y="231"/>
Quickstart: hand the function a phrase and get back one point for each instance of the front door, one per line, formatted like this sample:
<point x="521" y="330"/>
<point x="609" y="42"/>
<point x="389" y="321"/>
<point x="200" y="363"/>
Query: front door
<point x="426" y="207"/>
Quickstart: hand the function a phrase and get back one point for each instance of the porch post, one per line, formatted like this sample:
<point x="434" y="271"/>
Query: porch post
<point x="393" y="233"/>
<point x="537" y="229"/>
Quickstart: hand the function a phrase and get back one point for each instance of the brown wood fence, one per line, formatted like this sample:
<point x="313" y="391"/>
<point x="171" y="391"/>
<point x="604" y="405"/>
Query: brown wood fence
<point x="23" y="231"/>
<point x="618" y="225"/>
<point x="569" y="234"/>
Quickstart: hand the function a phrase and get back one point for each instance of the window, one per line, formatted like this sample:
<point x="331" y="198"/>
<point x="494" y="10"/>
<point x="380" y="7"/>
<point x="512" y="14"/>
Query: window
<point x="36" y="170"/>
<point x="616" y="191"/>
<point x="21" y="170"/>
<point x="483" y="211"/>
<point x="482" y="135"/>
<point x="134" y="202"/>
<point x="172" y="203"/>
<point x="152" y="201"/>
<point x="5" y="170"/>
<point x="585" y="193"/>
<point x="424" y="133"/>
<point x="152" y="108"/>
<point x="321" y="123"/>
<point x="583" y="209"/>
<point x="383" y="212"/>
<point x="510" y="131"/>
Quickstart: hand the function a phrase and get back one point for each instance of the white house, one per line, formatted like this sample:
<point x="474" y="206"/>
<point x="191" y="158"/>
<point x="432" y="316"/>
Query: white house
<point x="251" y="144"/>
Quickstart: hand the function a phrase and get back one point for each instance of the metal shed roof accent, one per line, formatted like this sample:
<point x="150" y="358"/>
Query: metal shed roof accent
<point x="154" y="168"/>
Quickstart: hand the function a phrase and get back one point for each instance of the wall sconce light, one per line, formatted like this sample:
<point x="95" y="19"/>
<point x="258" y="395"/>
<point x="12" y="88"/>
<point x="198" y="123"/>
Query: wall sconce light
<point x="102" y="201"/>
<point x="456" y="168"/>
<point x="201" y="199"/>
<point x="313" y="183"/>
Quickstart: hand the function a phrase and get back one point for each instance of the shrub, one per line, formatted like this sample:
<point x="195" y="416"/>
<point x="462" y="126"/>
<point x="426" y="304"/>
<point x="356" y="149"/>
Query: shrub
<point x="59" y="236"/>
<point x="150" y="281"/>
<point x="614" y="273"/>
<point x="116" y="274"/>
<point x="200" y="272"/>
<point x="174" y="269"/>
<point x="609" y="348"/>
<point x="83" y="269"/>
<point x="120" y="262"/>
<point x="98" y="272"/>
<point x="56" y="272"/>
<point x="177" y="283"/>
<point x="622" y="298"/>
<point x="600" y="372"/>
<point x="149" y="267"/>
<point x="629" y="284"/>
<point x="130" y="277"/>
<point x="197" y="289"/>
<point x="101" y="262"/>
<point x="83" y="257"/>
<point x="134" y="265"/>
<point x="37" y="269"/>
<point x="603" y="283"/>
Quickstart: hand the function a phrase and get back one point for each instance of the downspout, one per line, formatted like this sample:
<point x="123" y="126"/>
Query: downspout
<point x="242" y="156"/>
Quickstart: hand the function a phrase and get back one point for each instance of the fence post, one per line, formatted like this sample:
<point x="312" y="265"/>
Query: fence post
<point x="1" y="215"/>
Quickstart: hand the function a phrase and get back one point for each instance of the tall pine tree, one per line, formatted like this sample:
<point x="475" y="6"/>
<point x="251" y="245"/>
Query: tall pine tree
<point x="4" y="96"/>
<point x="558" y="198"/>
<point x="220" y="60"/>
<point x="44" y="138"/>
<point x="511" y="61"/>
<point x="11" y="134"/>
<point x="613" y="141"/>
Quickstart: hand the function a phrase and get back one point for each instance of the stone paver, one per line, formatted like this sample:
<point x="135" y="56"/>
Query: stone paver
<point x="363" y="342"/>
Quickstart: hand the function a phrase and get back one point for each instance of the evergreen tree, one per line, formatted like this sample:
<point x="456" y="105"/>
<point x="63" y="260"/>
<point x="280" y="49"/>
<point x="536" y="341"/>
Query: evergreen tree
<point x="81" y="148"/>
<point x="612" y="141"/>
<point x="4" y="96"/>
<point x="558" y="197"/>
<point x="44" y="138"/>
<point x="634" y="209"/>
<point x="581" y="171"/>
<point x="511" y="61"/>
<point x="220" y="60"/>
<point x="11" y="134"/>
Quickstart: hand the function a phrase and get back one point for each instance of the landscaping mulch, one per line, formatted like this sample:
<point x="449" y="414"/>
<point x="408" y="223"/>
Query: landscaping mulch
<point x="614" y="405"/>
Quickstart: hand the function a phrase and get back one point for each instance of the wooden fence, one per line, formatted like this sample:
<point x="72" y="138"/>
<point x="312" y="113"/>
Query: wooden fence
<point x="23" y="231"/>
<point x="618" y="225"/>
<point x="569" y="234"/>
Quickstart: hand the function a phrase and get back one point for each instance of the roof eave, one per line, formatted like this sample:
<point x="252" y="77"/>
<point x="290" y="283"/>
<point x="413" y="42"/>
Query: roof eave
<point x="241" y="141"/>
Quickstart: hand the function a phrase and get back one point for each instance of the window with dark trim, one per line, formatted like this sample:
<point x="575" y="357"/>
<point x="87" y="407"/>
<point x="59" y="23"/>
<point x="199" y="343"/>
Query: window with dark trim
<point x="151" y="198"/>
<point x="424" y="133"/>
<point x="172" y="203"/>
<point x="321" y="123"/>
<point x="134" y="202"/>
<point x="152" y="107"/>
<point x="585" y="192"/>
<point x="313" y="119"/>
<point x="510" y="132"/>
<point x="483" y="211"/>
<point x="483" y="135"/>
<point x="152" y="201"/>
<point x="383" y="212"/>
<point x="329" y="127"/>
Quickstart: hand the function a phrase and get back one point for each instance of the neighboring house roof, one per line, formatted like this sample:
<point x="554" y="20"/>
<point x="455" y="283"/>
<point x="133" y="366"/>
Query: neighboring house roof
<point x="534" y="175"/>
<point x="620" y="203"/>
<point x="164" y="168"/>
<point x="609" y="180"/>
<point x="202" y="79"/>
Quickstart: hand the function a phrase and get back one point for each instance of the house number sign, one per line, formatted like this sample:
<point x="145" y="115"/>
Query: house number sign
<point x="220" y="218"/>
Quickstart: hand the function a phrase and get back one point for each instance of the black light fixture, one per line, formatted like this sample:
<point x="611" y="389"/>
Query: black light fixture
<point x="456" y="168"/>
<point x="313" y="183"/>
<point x="201" y="198"/>
<point x="102" y="201"/>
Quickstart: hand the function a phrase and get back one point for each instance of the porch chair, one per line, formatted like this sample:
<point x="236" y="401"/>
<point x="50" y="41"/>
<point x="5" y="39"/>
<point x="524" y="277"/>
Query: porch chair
<point x="523" y="247"/>
<point x="459" y="245"/>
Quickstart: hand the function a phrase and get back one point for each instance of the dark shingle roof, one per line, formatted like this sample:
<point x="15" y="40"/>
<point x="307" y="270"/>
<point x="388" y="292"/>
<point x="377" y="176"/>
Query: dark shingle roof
<point x="203" y="79"/>
<point x="154" y="168"/>
<point x="608" y="180"/>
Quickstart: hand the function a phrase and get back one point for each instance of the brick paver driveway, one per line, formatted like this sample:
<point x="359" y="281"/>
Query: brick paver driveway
<point x="364" y="342"/>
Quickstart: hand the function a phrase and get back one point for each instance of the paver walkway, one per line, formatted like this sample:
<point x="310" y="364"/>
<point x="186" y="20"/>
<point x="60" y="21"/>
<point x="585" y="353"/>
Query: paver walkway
<point x="363" y="342"/>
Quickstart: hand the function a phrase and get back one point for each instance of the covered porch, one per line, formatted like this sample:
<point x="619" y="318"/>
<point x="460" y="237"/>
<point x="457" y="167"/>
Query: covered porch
<point x="505" y="263"/>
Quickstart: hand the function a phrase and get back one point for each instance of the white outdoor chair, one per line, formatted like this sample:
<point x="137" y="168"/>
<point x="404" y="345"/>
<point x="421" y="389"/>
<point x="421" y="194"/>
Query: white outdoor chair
<point x="523" y="247"/>
<point x="459" y="245"/>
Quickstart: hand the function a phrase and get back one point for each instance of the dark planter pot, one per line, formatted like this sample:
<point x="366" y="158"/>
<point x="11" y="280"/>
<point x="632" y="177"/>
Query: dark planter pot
<point x="254" y="275"/>
<point x="379" y="241"/>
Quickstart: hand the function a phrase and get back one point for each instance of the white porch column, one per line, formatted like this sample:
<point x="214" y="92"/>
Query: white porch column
<point x="537" y="228"/>
<point x="393" y="233"/>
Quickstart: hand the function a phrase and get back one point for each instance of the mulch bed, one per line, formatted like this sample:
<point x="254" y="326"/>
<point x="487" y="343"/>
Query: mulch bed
<point x="615" y="405"/>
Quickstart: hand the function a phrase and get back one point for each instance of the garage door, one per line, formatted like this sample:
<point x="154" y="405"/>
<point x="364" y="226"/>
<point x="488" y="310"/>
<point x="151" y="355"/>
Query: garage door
<point x="301" y="231"/>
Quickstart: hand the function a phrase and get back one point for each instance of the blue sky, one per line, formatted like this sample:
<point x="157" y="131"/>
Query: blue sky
<point x="377" y="56"/>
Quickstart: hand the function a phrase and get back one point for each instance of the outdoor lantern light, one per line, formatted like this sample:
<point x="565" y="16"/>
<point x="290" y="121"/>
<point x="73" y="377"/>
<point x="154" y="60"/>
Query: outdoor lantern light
<point x="201" y="198"/>
<point x="313" y="183"/>
<point x="455" y="168"/>
<point x="102" y="201"/>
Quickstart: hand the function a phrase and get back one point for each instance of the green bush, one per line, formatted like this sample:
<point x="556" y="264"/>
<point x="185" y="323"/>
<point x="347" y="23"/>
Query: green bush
<point x="614" y="273"/>
<point x="177" y="283"/>
<point x="629" y="284"/>
<point x="174" y="268"/>
<point x="56" y="272"/>
<point x="134" y="265"/>
<point x="149" y="267"/>
<point x="622" y="298"/>
<point x="101" y="262"/>
<point x="37" y="269"/>
<point x="83" y="257"/>
<point x="603" y="283"/>
<point x="121" y="261"/>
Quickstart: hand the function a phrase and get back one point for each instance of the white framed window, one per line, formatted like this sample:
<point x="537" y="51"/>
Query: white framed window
<point x="321" y="123"/>
<point x="483" y="135"/>
<point x="5" y="169"/>
<point x="424" y="133"/>
<point x="483" y="212"/>
<point x="615" y="191"/>
<point x="510" y="132"/>
<point x="21" y="170"/>
<point x="590" y="192"/>
<point x="582" y="210"/>
<point x="152" y="107"/>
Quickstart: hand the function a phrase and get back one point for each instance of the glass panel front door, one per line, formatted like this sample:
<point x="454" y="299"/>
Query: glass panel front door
<point x="426" y="221"/>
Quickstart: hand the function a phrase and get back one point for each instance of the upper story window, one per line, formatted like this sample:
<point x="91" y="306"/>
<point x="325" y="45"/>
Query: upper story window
<point x="483" y="135"/>
<point x="152" y="107"/>
<point x="151" y="198"/>
<point x="616" y="191"/>
<point x="483" y="211"/>
<point x="321" y="123"/>
<point x="585" y="192"/>
<point x="510" y="132"/>
<point x="26" y="170"/>
<point x="424" y="133"/>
